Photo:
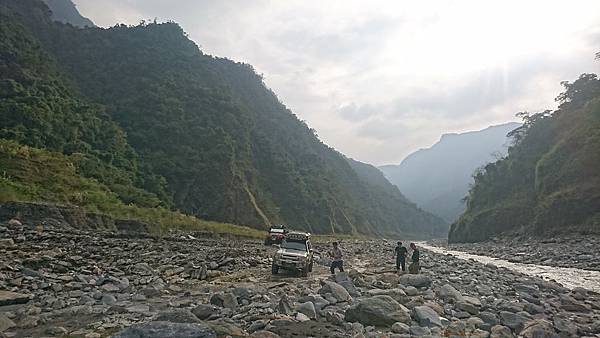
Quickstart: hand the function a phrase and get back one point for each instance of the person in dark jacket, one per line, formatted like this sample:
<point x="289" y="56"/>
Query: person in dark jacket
<point x="415" y="266"/>
<point x="401" y="253"/>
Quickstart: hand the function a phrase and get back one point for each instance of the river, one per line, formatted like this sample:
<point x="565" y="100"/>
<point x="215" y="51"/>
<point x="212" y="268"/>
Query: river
<point x="568" y="277"/>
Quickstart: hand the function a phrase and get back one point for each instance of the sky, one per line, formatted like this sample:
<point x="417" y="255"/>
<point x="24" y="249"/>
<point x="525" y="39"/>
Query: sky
<point x="381" y="79"/>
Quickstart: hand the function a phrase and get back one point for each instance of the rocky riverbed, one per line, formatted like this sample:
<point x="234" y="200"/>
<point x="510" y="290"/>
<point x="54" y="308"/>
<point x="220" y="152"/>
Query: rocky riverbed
<point x="71" y="283"/>
<point x="579" y="252"/>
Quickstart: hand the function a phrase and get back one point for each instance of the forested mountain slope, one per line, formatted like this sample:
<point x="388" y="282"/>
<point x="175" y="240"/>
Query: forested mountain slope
<point x="66" y="12"/>
<point x="199" y="134"/>
<point x="550" y="182"/>
<point x="438" y="178"/>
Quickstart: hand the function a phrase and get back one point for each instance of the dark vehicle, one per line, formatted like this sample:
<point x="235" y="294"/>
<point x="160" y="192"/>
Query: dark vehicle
<point x="295" y="253"/>
<point x="276" y="234"/>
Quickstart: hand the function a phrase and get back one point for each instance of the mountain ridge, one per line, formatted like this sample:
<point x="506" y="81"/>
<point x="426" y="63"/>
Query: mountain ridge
<point x="548" y="184"/>
<point x="420" y="178"/>
<point x="225" y="147"/>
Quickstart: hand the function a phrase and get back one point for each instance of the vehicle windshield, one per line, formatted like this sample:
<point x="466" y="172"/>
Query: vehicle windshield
<point x="294" y="245"/>
<point x="277" y="230"/>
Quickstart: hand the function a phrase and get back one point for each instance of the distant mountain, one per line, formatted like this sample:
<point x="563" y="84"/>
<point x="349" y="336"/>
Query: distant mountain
<point x="65" y="11"/>
<point x="389" y="203"/>
<point x="159" y="124"/>
<point x="438" y="178"/>
<point x="550" y="181"/>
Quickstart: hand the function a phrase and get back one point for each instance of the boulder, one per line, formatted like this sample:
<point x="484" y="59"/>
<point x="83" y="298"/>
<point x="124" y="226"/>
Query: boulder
<point x="264" y="334"/>
<point x="226" y="300"/>
<point x="426" y="316"/>
<point x="513" y="320"/>
<point x="418" y="281"/>
<point x="284" y="306"/>
<point x="398" y="294"/>
<point x="204" y="311"/>
<point x="308" y="309"/>
<point x="448" y="292"/>
<point x="224" y="328"/>
<point x="342" y="279"/>
<point x="166" y="329"/>
<point x="400" y="328"/>
<point x="538" y="328"/>
<point x="336" y="290"/>
<point x="10" y="298"/>
<point x="6" y="243"/>
<point x="378" y="311"/>
<point x="177" y="316"/>
<point x="5" y="323"/>
<point x="500" y="331"/>
<point x="569" y="303"/>
<point x="467" y="307"/>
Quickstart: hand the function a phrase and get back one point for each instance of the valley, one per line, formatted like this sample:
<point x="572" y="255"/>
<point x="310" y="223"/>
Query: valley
<point x="139" y="176"/>
<point x="216" y="286"/>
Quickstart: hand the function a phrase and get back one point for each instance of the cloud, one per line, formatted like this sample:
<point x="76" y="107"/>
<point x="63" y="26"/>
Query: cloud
<point x="380" y="79"/>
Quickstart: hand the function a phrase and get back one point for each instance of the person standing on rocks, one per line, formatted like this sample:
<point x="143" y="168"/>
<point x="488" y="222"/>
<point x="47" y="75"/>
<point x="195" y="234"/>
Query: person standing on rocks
<point x="415" y="266"/>
<point x="338" y="261"/>
<point x="401" y="253"/>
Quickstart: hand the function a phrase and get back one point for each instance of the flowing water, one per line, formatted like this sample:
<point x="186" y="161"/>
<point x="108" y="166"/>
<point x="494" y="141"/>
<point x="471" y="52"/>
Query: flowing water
<point x="568" y="277"/>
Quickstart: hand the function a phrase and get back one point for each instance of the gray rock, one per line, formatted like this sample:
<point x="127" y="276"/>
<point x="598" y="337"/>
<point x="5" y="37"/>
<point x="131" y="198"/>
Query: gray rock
<point x="334" y="317"/>
<point x="489" y="317"/>
<point x="513" y="320"/>
<point x="426" y="316"/>
<point x="5" y="323"/>
<point x="398" y="294"/>
<point x="226" y="300"/>
<point x="565" y="326"/>
<point x="411" y="291"/>
<point x="108" y="299"/>
<point x="264" y="334"/>
<point x="284" y="306"/>
<point x="230" y="301"/>
<point x="417" y="281"/>
<point x="166" y="329"/>
<point x="399" y="327"/>
<point x="538" y="328"/>
<point x="9" y="298"/>
<point x="420" y="331"/>
<point x="258" y="325"/>
<point x="204" y="311"/>
<point x="177" y="316"/>
<point x="301" y="317"/>
<point x="570" y="304"/>
<point x="500" y="331"/>
<point x="308" y="309"/>
<point x="378" y="311"/>
<point x="224" y="328"/>
<point x="448" y="292"/>
<point x="468" y="307"/>
<point x="336" y="290"/>
<point x="139" y="308"/>
<point x="342" y="279"/>
<point x="7" y="243"/>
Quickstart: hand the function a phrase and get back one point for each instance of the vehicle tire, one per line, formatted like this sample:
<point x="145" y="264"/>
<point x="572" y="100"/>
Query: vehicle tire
<point x="274" y="269"/>
<point x="268" y="241"/>
<point x="304" y="272"/>
<point x="310" y="267"/>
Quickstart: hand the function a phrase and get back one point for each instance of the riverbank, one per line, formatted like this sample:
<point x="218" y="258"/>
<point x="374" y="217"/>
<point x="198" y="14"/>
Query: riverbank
<point x="571" y="278"/>
<point x="96" y="284"/>
<point x="579" y="252"/>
